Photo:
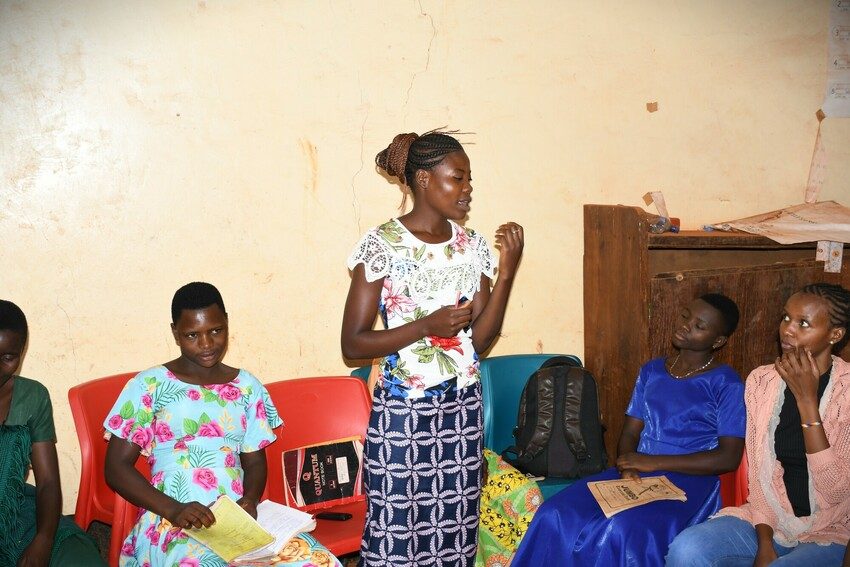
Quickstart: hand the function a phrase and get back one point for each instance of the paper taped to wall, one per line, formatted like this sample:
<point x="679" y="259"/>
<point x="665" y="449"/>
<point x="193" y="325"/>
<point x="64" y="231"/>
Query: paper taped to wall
<point x="837" y="99"/>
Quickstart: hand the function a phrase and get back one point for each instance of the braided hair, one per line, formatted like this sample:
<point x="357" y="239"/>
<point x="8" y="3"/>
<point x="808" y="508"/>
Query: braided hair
<point x="13" y="319"/>
<point x="837" y="299"/>
<point x="410" y="152"/>
<point x="838" y="305"/>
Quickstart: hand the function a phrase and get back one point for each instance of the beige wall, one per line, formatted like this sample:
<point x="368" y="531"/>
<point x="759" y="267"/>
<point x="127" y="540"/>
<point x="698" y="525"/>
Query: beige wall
<point x="147" y="144"/>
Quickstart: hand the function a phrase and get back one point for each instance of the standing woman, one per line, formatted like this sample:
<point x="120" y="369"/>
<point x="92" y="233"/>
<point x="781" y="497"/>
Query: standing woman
<point x="430" y="279"/>
<point x="798" y="448"/>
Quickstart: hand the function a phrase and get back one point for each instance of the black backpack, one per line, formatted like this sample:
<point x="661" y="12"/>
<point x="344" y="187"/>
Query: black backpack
<point x="558" y="430"/>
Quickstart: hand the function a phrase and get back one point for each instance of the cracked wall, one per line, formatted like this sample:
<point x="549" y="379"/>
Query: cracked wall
<point x="148" y="144"/>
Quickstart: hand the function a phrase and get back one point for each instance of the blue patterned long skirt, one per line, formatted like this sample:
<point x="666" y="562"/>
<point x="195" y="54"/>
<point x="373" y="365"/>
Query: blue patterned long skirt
<point x="423" y="479"/>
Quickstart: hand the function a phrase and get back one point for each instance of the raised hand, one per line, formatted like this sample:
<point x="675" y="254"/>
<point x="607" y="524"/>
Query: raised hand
<point x="509" y="241"/>
<point x="800" y="372"/>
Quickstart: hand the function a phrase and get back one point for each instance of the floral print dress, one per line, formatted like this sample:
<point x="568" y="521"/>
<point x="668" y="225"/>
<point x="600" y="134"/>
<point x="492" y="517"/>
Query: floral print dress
<point x="192" y="436"/>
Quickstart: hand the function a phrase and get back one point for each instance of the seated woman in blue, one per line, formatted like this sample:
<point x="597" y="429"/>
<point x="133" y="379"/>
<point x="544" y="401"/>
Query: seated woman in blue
<point x="686" y="419"/>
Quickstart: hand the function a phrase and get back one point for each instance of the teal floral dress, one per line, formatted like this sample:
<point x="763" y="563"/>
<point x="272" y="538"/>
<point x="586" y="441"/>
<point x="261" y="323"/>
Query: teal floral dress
<point x="192" y="436"/>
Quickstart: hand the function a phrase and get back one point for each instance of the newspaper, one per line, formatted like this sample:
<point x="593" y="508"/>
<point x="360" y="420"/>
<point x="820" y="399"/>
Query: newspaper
<point x="837" y="100"/>
<point x="617" y="495"/>
<point x="808" y="222"/>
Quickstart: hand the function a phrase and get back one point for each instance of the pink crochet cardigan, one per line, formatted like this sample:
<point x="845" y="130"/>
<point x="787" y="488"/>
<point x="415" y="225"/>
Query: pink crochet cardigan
<point x="829" y="470"/>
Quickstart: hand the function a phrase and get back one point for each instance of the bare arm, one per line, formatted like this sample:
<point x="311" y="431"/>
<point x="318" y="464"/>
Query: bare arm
<point x="828" y="464"/>
<point x="489" y="305"/>
<point x="724" y="458"/>
<point x="800" y="372"/>
<point x="629" y="441"/>
<point x="630" y="437"/>
<point x="48" y="504"/>
<point x="123" y="478"/>
<point x="358" y="338"/>
<point x="255" y="467"/>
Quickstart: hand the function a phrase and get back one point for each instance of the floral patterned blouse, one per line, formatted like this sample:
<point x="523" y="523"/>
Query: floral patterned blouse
<point x="192" y="436"/>
<point x="420" y="278"/>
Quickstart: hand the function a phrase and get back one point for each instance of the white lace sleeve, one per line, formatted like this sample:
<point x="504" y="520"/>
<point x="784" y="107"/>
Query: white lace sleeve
<point x="375" y="255"/>
<point x="484" y="255"/>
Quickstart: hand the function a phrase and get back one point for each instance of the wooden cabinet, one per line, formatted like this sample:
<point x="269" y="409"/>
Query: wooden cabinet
<point x="635" y="283"/>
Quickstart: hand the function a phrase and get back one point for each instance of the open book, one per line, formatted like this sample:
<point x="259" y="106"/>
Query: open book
<point x="617" y="495"/>
<point x="239" y="539"/>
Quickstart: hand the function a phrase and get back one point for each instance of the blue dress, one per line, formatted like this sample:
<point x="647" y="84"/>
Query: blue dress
<point x="680" y="416"/>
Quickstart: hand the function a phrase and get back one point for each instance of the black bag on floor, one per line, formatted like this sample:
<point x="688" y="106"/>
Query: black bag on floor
<point x="558" y="430"/>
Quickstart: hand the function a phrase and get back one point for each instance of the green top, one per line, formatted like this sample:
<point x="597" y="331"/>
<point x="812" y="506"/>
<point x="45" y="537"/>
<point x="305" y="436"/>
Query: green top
<point x="30" y="421"/>
<point x="31" y="407"/>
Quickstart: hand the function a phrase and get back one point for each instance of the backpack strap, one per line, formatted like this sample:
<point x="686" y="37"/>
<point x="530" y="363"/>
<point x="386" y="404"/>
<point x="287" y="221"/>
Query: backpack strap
<point x="545" y="414"/>
<point x="572" y="413"/>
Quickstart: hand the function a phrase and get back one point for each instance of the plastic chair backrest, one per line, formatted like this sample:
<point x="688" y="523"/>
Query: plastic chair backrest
<point x="362" y="372"/>
<point x="124" y="517"/>
<point x="90" y="402"/>
<point x="502" y="381"/>
<point x="314" y="411"/>
<point x="734" y="489"/>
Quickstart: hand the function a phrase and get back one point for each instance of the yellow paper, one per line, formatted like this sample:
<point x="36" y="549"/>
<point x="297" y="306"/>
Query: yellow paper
<point x="234" y="533"/>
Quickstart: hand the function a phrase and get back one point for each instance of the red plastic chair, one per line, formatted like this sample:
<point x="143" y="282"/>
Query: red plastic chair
<point x="124" y="517"/>
<point x="733" y="485"/>
<point x="315" y="411"/>
<point x="90" y="402"/>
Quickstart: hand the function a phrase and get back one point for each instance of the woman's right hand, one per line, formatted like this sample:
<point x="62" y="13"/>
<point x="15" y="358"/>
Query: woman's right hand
<point x="630" y="474"/>
<point x="448" y="321"/>
<point x="191" y="515"/>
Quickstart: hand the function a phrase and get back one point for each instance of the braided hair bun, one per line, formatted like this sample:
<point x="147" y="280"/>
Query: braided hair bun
<point x="410" y="152"/>
<point x="393" y="159"/>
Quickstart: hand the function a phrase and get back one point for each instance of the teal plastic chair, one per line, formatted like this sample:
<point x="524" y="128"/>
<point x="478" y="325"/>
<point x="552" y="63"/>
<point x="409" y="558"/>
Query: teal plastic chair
<point x="362" y="373"/>
<point x="502" y="381"/>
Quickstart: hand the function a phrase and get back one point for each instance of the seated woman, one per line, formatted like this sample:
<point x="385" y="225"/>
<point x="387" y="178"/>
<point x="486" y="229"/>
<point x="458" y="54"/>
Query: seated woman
<point x="32" y="531"/>
<point x="798" y="449"/>
<point x="685" y="420"/>
<point x="202" y="426"/>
